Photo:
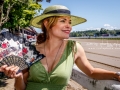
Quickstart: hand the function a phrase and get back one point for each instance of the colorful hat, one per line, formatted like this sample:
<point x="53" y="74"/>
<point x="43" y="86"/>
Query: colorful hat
<point x="56" y="10"/>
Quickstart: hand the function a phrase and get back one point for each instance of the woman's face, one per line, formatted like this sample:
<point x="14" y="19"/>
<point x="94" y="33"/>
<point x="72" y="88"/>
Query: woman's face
<point x="62" y="28"/>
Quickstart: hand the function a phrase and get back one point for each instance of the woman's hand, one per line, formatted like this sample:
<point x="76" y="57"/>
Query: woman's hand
<point x="11" y="71"/>
<point x="118" y="74"/>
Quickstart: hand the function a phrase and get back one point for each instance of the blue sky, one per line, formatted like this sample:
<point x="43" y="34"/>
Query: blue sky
<point x="99" y="13"/>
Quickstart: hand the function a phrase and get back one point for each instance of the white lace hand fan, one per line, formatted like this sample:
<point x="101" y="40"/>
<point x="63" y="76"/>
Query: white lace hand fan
<point x="15" y="50"/>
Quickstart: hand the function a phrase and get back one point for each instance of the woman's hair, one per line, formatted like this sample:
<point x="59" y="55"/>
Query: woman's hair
<point x="45" y="35"/>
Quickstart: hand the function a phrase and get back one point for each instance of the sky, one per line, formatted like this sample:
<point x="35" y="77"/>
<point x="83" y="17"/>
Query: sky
<point x="99" y="13"/>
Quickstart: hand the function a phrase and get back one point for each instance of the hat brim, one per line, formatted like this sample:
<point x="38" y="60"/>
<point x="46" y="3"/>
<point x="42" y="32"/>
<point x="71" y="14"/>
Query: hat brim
<point x="35" y="22"/>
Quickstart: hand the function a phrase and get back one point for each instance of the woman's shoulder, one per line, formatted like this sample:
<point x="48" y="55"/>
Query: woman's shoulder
<point x="69" y="40"/>
<point x="77" y="45"/>
<point x="73" y="41"/>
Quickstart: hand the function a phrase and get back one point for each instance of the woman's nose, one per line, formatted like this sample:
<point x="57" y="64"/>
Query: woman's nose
<point x="68" y="25"/>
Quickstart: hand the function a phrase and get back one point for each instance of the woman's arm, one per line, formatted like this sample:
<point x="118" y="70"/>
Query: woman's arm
<point x="96" y="73"/>
<point x="20" y="82"/>
<point x="20" y="78"/>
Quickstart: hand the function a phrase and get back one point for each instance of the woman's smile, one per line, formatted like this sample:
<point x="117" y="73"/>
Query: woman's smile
<point x="66" y="31"/>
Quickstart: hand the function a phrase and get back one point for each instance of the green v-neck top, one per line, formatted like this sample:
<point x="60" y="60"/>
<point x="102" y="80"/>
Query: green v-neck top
<point x="57" y="79"/>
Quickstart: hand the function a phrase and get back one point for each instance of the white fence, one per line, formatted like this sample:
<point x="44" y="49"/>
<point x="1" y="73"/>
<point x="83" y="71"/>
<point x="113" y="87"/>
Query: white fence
<point x="91" y="84"/>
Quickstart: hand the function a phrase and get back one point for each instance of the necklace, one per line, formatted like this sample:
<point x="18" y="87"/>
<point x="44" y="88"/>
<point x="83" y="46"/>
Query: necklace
<point x="55" y="55"/>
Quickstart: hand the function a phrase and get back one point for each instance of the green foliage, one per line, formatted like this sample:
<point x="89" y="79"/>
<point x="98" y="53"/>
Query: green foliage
<point x="95" y="33"/>
<point x="21" y="13"/>
<point x="34" y="6"/>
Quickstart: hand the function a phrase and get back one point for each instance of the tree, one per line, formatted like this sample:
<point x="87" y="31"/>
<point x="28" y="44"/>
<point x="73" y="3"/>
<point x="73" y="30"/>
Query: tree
<point x="5" y="8"/>
<point x="112" y="32"/>
<point x="15" y="13"/>
<point x="21" y="14"/>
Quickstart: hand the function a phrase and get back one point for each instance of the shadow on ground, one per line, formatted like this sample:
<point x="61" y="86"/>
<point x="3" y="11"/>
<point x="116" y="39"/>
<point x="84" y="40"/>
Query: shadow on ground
<point x="3" y="82"/>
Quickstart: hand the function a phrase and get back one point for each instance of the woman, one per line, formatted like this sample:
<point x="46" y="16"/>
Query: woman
<point x="53" y="72"/>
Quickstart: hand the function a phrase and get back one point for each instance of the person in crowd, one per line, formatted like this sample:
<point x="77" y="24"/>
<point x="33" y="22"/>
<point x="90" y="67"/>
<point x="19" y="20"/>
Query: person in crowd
<point x="54" y="70"/>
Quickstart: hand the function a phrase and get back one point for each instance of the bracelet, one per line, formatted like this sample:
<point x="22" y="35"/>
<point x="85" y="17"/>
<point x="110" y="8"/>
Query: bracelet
<point x="118" y="73"/>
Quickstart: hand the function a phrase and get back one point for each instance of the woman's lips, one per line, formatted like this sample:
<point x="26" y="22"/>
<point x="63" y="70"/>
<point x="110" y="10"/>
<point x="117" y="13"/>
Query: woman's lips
<point x="66" y="31"/>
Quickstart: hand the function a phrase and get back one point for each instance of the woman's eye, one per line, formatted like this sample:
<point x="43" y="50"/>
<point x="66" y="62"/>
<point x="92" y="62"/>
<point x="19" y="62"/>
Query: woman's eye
<point x="65" y="21"/>
<point x="62" y="21"/>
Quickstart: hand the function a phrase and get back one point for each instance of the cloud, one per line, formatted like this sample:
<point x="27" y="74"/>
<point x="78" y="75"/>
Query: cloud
<point x="106" y="25"/>
<point x="92" y="28"/>
<point x="97" y="28"/>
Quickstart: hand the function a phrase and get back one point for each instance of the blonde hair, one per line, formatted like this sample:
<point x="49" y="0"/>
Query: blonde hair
<point x="51" y="22"/>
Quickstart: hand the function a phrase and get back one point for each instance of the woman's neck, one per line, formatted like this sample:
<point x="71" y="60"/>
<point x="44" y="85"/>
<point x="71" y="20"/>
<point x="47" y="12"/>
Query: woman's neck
<point x="53" y="44"/>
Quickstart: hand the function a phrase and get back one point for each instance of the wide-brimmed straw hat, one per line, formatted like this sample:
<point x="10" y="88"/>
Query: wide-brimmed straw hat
<point x="56" y="10"/>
